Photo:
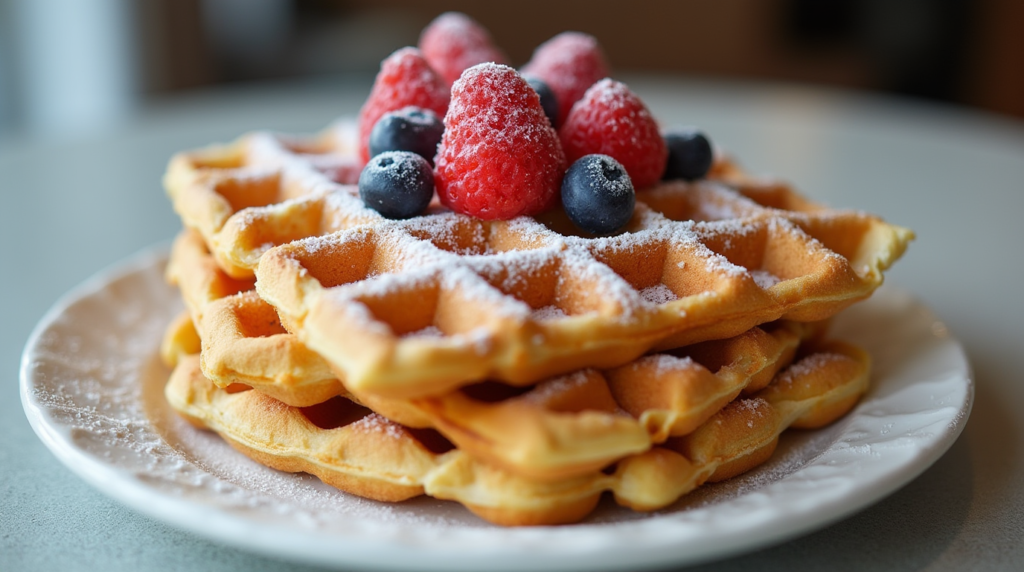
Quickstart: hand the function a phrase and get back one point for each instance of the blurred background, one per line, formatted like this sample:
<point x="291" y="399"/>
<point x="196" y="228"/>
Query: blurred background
<point x="70" y="67"/>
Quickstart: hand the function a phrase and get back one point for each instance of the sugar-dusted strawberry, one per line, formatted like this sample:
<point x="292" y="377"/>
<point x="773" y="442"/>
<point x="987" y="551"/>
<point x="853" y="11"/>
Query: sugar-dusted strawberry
<point x="405" y="79"/>
<point x="612" y="120"/>
<point x="499" y="157"/>
<point x="569" y="63"/>
<point x="454" y="42"/>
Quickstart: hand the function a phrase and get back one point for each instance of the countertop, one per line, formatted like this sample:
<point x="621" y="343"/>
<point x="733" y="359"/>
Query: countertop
<point x="954" y="176"/>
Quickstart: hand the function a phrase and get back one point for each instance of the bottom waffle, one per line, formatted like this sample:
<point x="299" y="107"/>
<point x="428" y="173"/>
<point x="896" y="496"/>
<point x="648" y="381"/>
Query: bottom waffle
<point x="363" y="453"/>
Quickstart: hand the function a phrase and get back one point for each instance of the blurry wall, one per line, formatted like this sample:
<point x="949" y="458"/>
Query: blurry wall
<point x="68" y="63"/>
<point x="66" y="66"/>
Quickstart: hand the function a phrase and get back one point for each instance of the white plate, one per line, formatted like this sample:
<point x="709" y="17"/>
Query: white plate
<point x="91" y="385"/>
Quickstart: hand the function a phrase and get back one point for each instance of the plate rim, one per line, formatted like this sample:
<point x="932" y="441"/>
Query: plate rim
<point x="215" y="523"/>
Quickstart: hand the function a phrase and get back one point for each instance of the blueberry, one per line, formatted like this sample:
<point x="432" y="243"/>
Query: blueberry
<point x="547" y="97"/>
<point x="397" y="184"/>
<point x="689" y="155"/>
<point x="597" y="194"/>
<point x="408" y="129"/>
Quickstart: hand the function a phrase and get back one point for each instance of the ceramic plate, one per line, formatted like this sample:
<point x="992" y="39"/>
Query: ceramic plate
<point x="92" y="387"/>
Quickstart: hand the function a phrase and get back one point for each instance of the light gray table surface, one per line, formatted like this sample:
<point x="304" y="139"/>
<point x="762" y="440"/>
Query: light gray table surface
<point x="956" y="177"/>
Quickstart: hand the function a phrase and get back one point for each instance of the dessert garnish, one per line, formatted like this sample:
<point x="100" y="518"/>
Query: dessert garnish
<point x="454" y="42"/>
<point x="499" y="156"/>
<point x="405" y="79"/>
<point x="408" y="129"/>
<point x="569" y="63"/>
<point x="397" y="184"/>
<point x="597" y="194"/>
<point x="689" y="154"/>
<point x="612" y="120"/>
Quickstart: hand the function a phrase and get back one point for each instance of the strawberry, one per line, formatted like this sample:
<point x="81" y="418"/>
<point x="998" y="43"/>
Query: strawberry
<point x="404" y="79"/>
<point x="612" y="120"/>
<point x="569" y="63"/>
<point x="499" y="157"/>
<point x="454" y="42"/>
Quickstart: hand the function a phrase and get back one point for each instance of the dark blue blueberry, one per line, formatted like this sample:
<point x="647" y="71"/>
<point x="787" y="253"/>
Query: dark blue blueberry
<point x="547" y="98"/>
<point x="689" y="155"/>
<point x="408" y="129"/>
<point x="397" y="184"/>
<point x="597" y="194"/>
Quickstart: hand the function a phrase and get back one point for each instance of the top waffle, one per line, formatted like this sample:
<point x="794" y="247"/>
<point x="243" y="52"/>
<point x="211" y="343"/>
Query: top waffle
<point x="421" y="306"/>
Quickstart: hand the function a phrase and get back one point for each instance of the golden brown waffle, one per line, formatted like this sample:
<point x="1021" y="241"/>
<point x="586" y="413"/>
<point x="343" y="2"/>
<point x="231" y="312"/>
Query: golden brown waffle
<point x="413" y="308"/>
<point x="214" y="189"/>
<point x="563" y="427"/>
<point x="516" y="300"/>
<point x="361" y="452"/>
<point x="201" y="281"/>
<point x="249" y="346"/>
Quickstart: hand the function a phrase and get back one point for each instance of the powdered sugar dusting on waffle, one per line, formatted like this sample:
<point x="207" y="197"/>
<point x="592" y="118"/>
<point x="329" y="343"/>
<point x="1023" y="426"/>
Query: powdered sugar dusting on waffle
<point x="604" y="282"/>
<point x="376" y="423"/>
<point x="555" y="387"/>
<point x="472" y="287"/>
<point x="764" y="279"/>
<point x="549" y="312"/>
<point x="427" y="332"/>
<point x="658" y="294"/>
<point x="800" y="370"/>
<point x="667" y="363"/>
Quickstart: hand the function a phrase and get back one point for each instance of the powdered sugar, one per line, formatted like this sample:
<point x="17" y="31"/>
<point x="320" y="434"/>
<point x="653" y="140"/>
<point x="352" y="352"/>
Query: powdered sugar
<point x="427" y="332"/>
<point x="557" y="386"/>
<point x="764" y="279"/>
<point x="379" y="424"/>
<point x="658" y="294"/>
<point x="667" y="363"/>
<point x="799" y="371"/>
<point x="549" y="312"/>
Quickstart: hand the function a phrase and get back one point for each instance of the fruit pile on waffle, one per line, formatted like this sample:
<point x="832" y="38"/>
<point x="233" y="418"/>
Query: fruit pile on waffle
<point x="509" y="289"/>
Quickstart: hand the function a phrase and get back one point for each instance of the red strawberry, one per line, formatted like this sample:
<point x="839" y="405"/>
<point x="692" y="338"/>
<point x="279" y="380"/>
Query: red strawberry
<point x="404" y="79"/>
<point x="569" y="63"/>
<point x="454" y="42"/>
<point x="612" y="120"/>
<point x="499" y="157"/>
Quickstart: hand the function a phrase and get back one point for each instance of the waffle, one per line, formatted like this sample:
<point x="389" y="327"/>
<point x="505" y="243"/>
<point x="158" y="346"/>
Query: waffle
<point x="559" y="428"/>
<point x="216" y="188"/>
<point x="517" y="300"/>
<point x="361" y="452"/>
<point x="413" y="308"/>
<point x="562" y="427"/>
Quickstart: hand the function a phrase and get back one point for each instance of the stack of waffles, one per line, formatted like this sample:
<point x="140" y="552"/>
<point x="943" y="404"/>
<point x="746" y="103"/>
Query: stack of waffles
<point x="517" y="367"/>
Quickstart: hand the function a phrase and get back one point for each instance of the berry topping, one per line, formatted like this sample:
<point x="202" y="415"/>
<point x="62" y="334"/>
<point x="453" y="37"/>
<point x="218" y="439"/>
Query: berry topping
<point x="569" y="63"/>
<point x="689" y="155"/>
<point x="408" y="129"/>
<point x="611" y="120"/>
<point x="598" y="195"/>
<point x="454" y="42"/>
<point x="404" y="79"/>
<point x="397" y="184"/>
<point x="547" y="97"/>
<point x="499" y="157"/>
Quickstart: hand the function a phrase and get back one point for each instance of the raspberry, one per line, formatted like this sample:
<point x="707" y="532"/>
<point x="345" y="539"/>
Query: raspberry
<point x="569" y="63"/>
<point x="404" y="79"/>
<point x="612" y="120"/>
<point x="499" y="157"/>
<point x="454" y="42"/>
